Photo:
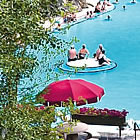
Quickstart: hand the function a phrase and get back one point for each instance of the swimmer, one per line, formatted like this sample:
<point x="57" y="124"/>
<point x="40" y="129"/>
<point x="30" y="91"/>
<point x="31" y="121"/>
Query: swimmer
<point x="109" y="17"/>
<point x="124" y="7"/>
<point x="133" y="1"/>
<point x="116" y="2"/>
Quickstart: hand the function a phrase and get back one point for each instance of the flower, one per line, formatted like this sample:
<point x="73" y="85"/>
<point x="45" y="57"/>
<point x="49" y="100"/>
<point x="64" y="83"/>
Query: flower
<point x="40" y="107"/>
<point x="101" y="112"/>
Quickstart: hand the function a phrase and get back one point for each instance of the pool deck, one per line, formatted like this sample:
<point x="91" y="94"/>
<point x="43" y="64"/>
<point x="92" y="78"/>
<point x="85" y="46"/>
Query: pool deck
<point x="100" y="132"/>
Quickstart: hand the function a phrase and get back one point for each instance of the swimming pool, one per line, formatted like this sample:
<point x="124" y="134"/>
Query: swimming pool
<point x="121" y="40"/>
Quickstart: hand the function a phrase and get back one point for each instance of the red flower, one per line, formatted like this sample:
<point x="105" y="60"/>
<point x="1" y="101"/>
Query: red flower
<point x="103" y="112"/>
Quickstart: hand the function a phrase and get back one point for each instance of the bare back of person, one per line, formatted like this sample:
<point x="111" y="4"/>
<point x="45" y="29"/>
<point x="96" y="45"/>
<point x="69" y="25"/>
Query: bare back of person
<point x="83" y="52"/>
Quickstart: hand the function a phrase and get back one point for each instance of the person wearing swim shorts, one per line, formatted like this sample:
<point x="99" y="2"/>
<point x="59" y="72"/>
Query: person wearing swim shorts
<point x="72" y="56"/>
<point x="83" y="52"/>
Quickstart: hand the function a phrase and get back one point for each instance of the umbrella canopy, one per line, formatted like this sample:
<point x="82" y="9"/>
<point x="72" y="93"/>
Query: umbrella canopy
<point x="77" y="90"/>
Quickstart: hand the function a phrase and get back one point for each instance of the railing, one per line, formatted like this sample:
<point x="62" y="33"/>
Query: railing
<point x="136" y="128"/>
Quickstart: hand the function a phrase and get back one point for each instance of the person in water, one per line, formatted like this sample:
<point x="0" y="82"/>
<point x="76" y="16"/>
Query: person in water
<point x="124" y="7"/>
<point x="72" y="56"/>
<point x="83" y="52"/>
<point x="116" y="2"/>
<point x="108" y="17"/>
<point x="133" y="1"/>
<point x="103" y="59"/>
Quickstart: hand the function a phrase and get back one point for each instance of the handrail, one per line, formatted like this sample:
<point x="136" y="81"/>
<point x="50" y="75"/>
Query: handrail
<point x="136" y="128"/>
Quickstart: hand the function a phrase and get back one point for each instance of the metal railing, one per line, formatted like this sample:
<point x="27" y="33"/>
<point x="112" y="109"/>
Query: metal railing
<point x="136" y="128"/>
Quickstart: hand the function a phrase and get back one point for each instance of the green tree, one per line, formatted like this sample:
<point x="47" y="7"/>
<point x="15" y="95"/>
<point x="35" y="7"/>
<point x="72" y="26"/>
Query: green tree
<point x="28" y="54"/>
<point x="26" y="48"/>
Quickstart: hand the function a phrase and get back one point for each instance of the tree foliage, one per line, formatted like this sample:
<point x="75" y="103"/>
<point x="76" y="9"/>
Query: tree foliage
<point x="26" y="122"/>
<point x="29" y="55"/>
<point x="26" y="48"/>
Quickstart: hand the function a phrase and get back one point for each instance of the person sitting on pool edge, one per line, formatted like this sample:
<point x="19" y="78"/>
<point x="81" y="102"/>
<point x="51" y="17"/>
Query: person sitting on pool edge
<point x="72" y="55"/>
<point x="82" y="53"/>
<point x="99" y="51"/>
<point x="103" y="59"/>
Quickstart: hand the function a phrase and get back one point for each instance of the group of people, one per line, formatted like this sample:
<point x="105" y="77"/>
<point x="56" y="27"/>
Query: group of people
<point x="100" y="7"/>
<point x="69" y="17"/>
<point x="99" y="55"/>
<point x="72" y="54"/>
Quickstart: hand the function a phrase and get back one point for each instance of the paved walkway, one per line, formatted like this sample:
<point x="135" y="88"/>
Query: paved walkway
<point x="111" y="133"/>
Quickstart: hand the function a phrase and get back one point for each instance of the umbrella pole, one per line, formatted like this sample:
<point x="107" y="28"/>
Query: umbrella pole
<point x="48" y="103"/>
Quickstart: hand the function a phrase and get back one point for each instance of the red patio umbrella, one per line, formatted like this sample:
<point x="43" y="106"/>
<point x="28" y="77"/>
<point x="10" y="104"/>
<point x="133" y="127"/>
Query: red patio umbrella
<point x="77" y="90"/>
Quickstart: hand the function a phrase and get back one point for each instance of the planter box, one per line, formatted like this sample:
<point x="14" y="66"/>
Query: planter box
<point x="100" y="120"/>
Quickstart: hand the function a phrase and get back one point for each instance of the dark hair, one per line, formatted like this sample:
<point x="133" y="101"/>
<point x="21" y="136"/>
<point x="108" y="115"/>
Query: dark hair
<point x="84" y="46"/>
<point x="103" y="51"/>
<point x="72" y="47"/>
<point x="94" y="55"/>
<point x="108" y="17"/>
<point x="123" y="6"/>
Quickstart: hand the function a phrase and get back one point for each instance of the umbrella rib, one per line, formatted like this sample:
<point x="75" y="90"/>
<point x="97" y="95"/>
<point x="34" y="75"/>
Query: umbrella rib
<point x="71" y="90"/>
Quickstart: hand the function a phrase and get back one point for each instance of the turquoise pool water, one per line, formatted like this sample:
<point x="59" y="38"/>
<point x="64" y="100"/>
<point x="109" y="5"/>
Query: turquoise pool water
<point x="121" y="40"/>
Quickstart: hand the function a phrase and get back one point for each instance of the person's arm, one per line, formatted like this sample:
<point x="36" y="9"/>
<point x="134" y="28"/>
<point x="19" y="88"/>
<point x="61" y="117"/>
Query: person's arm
<point x="68" y="54"/>
<point x="106" y="59"/>
<point x="78" y="54"/>
<point x="87" y="53"/>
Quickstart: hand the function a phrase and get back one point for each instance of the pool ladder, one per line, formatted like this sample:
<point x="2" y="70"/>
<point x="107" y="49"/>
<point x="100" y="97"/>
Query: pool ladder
<point x="136" y="128"/>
